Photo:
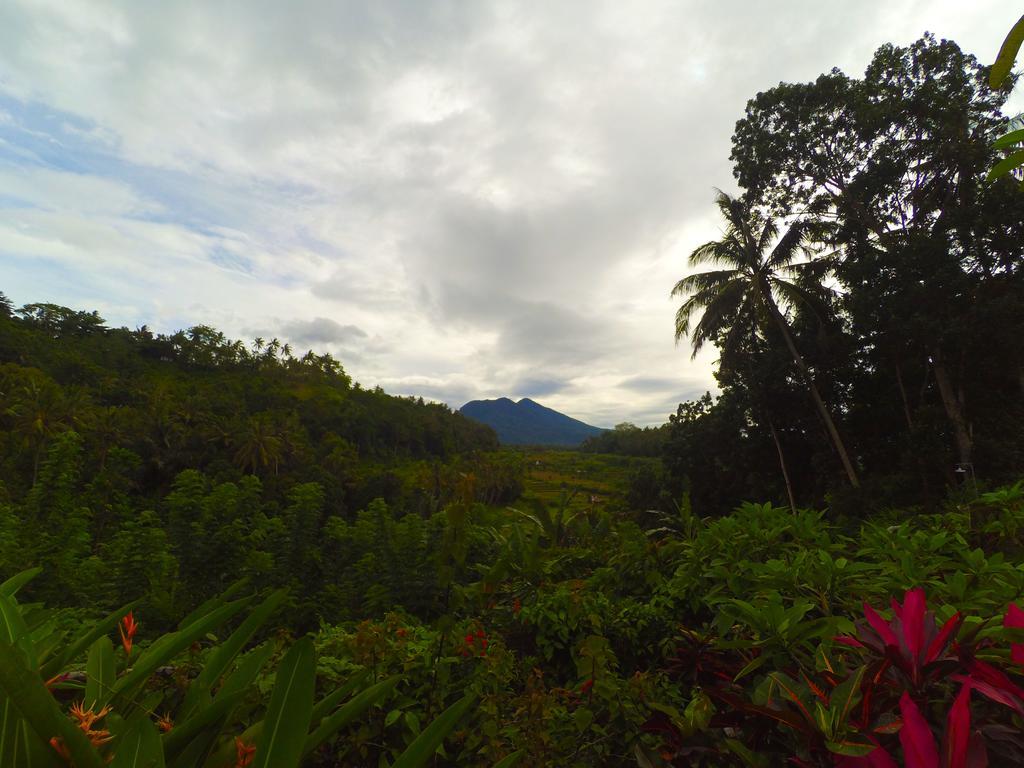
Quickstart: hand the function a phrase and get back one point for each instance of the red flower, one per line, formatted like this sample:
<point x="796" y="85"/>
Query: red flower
<point x="244" y="753"/>
<point x="517" y="606"/>
<point x="587" y="685"/>
<point x="58" y="744"/>
<point x="128" y="628"/>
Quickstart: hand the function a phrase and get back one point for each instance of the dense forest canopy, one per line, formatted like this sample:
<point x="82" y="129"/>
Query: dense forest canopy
<point x="903" y="303"/>
<point x="188" y="460"/>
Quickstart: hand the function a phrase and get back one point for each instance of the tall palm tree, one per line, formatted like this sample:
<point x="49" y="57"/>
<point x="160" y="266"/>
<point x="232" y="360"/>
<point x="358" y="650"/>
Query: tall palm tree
<point x="258" y="444"/>
<point x="755" y="280"/>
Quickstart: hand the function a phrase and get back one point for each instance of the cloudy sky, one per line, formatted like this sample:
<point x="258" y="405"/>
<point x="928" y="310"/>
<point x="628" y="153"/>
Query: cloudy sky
<point x="458" y="199"/>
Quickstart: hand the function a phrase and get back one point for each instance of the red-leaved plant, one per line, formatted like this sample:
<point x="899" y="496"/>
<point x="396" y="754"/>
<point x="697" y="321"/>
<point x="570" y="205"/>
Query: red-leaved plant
<point x="907" y="675"/>
<point x="923" y="664"/>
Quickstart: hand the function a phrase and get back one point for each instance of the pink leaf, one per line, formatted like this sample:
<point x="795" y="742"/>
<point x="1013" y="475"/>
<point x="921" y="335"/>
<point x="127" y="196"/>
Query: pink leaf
<point x="919" y="749"/>
<point x="912" y="618"/>
<point x="1014" y="619"/>
<point x="879" y="758"/>
<point x="989" y="681"/>
<point x="880" y="626"/>
<point x="977" y="755"/>
<point x="958" y="729"/>
<point x="980" y="670"/>
<point x="938" y="645"/>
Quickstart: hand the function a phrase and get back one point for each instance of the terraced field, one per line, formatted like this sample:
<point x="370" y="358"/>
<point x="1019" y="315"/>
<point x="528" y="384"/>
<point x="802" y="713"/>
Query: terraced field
<point x="577" y="480"/>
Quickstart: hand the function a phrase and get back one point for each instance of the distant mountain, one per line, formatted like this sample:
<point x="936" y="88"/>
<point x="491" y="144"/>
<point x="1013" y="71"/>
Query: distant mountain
<point x="528" y="423"/>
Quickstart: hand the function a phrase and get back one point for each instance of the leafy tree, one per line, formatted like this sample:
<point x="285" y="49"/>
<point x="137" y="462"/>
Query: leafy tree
<point x="259" y="445"/>
<point x="895" y="163"/>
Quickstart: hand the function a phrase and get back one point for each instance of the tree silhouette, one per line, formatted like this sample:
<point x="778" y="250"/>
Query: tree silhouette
<point x="756" y="279"/>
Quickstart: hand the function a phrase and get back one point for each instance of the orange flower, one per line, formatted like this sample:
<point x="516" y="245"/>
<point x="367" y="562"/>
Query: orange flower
<point x="245" y="753"/>
<point x="58" y="744"/>
<point x="128" y="628"/>
<point x="164" y="723"/>
<point x="86" y="718"/>
<point x="56" y="680"/>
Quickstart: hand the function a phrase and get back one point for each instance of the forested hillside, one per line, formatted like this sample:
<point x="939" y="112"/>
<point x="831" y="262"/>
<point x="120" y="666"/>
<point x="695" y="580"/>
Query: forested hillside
<point x="169" y="466"/>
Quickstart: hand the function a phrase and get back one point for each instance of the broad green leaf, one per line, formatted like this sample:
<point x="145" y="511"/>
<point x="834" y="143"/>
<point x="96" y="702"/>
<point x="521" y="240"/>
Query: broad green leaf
<point x="214" y="602"/>
<point x="19" y="744"/>
<point x="225" y="755"/>
<point x="232" y="691"/>
<point x="644" y="759"/>
<point x="349" y="712"/>
<point x="13" y="628"/>
<point x="10" y="587"/>
<point x="1006" y="165"/>
<point x="426" y="744"/>
<point x="823" y="717"/>
<point x="83" y="641"/>
<point x="756" y="663"/>
<point x="220" y="659"/>
<point x="845" y="697"/>
<point x="749" y="758"/>
<point x="247" y="671"/>
<point x="100" y="673"/>
<point x="1007" y="54"/>
<point x="179" y="737"/>
<point x="169" y="646"/>
<point x="291" y="706"/>
<point x="334" y="698"/>
<point x="850" y="747"/>
<point x="35" y="703"/>
<point x="582" y="718"/>
<point x="511" y="760"/>
<point x="140" y="747"/>
<point x="1011" y="138"/>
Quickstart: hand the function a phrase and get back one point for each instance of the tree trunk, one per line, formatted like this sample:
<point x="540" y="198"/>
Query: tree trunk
<point x="782" y="465"/>
<point x="954" y="405"/>
<point x="826" y="417"/>
<point x="903" y="395"/>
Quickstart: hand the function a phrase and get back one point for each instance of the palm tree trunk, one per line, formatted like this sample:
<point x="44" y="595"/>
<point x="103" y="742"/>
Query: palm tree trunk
<point x="782" y="465"/>
<point x="903" y="395"/>
<point x="826" y="417"/>
<point x="953" y="403"/>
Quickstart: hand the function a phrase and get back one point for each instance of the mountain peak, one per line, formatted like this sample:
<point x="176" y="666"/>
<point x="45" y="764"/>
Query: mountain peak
<point x="528" y="422"/>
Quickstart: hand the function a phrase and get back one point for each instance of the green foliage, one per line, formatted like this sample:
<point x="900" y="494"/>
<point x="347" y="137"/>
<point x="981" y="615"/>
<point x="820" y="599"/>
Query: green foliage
<point x="115" y="720"/>
<point x="1007" y="55"/>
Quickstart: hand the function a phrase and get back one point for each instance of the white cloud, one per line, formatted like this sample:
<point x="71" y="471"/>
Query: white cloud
<point x="498" y="195"/>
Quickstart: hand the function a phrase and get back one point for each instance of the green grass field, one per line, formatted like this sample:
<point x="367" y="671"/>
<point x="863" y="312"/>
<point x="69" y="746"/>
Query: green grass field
<point x="580" y="480"/>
